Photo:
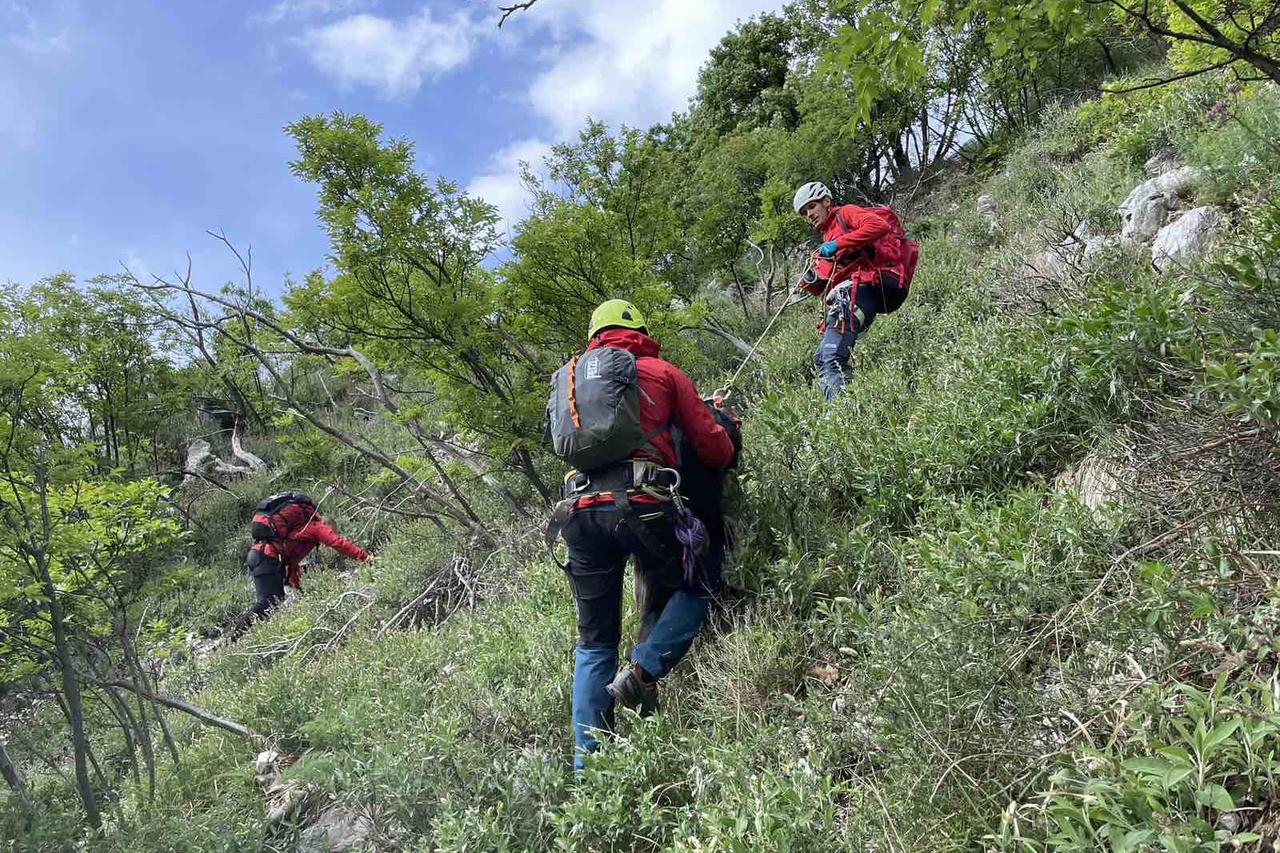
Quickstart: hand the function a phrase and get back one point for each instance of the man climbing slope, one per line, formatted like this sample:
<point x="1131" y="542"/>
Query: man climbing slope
<point x="862" y="268"/>
<point x="611" y="412"/>
<point x="286" y="528"/>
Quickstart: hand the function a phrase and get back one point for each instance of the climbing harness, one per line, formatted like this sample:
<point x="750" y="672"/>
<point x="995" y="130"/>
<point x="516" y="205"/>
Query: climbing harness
<point x="622" y="482"/>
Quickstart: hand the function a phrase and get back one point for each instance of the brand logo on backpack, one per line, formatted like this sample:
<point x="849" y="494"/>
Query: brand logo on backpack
<point x="593" y="412"/>
<point x="272" y="520"/>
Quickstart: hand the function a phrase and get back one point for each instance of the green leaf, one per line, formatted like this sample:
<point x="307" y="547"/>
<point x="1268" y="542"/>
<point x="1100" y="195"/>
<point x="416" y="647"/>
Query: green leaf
<point x="1220" y="733"/>
<point x="1216" y="797"/>
<point x="1148" y="766"/>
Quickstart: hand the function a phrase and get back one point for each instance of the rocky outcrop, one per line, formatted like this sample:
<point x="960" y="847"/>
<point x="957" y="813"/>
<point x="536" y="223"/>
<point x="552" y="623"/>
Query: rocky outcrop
<point x="1187" y="237"/>
<point x="1161" y="162"/>
<point x="336" y="831"/>
<point x="1147" y="208"/>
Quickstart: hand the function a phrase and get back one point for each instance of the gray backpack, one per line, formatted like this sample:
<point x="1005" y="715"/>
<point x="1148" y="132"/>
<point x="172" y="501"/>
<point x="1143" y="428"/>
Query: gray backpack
<point x="594" y="409"/>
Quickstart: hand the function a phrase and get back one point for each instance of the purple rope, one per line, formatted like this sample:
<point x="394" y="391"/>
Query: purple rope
<point x="691" y="533"/>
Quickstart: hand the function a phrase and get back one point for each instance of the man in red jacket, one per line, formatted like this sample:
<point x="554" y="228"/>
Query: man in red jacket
<point x="273" y="563"/>
<point x="847" y="272"/>
<point x="601" y="535"/>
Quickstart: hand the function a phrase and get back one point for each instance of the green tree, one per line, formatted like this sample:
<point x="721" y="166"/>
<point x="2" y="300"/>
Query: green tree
<point x="410" y="291"/>
<point x="111" y="352"/>
<point x="744" y="82"/>
<point x="76" y="549"/>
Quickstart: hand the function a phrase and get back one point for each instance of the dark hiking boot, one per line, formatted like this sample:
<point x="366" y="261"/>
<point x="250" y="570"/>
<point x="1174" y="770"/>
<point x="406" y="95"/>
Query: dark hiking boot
<point x="630" y="690"/>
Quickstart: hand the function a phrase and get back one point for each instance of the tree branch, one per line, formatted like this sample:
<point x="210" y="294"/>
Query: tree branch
<point x="508" y="11"/>
<point x="177" y="704"/>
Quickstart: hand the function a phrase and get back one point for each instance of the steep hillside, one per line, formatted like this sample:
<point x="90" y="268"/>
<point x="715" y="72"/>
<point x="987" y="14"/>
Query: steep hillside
<point x="1016" y="590"/>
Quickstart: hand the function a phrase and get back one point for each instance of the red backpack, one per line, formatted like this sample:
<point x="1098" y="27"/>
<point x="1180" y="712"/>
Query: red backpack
<point x="895" y="243"/>
<point x="272" y="524"/>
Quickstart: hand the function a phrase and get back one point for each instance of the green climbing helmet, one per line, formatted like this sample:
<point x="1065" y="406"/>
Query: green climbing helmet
<point x="617" y="313"/>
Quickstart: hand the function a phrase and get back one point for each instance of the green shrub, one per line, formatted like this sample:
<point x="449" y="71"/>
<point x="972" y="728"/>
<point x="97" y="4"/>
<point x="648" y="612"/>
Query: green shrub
<point x="1189" y="757"/>
<point x="1241" y="156"/>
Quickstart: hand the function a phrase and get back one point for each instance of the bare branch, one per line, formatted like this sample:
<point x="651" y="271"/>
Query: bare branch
<point x="177" y="704"/>
<point x="508" y="11"/>
<point x="1164" y="81"/>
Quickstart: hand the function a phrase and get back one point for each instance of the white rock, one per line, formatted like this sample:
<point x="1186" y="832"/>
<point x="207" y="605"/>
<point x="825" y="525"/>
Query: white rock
<point x="1141" y="219"/>
<point x="986" y="206"/>
<point x="338" y="830"/>
<point x="1094" y="481"/>
<point x="1146" y="209"/>
<point x="286" y="802"/>
<point x="1187" y="237"/>
<point x="1094" y="245"/>
<point x="1050" y="264"/>
<point x="266" y="762"/>
<point x="1179" y="181"/>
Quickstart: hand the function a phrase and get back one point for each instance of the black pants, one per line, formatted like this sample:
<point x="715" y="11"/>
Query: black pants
<point x="268" y="583"/>
<point x="600" y="541"/>
<point x="599" y="544"/>
<point x="703" y="490"/>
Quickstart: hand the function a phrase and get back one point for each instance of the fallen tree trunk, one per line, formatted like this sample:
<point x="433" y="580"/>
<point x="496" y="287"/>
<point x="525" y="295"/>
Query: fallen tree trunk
<point x="177" y="704"/>
<point x="254" y="462"/>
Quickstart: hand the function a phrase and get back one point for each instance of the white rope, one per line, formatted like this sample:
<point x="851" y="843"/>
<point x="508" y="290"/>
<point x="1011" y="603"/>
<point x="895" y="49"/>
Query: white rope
<point x="728" y="388"/>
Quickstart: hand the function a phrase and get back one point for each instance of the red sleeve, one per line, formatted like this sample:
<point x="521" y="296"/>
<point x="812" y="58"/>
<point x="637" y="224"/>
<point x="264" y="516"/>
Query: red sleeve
<point x="865" y="227"/>
<point x="709" y="439"/>
<point x="319" y="532"/>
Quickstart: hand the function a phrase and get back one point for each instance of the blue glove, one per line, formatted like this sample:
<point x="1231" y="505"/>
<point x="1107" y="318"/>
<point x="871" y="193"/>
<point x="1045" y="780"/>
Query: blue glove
<point x="827" y="249"/>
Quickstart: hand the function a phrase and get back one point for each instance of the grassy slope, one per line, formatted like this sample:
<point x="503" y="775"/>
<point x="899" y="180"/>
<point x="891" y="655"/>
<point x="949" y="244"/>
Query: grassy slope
<point x="931" y="630"/>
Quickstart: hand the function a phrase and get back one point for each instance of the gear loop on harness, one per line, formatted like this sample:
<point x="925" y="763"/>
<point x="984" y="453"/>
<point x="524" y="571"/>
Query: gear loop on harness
<point x="631" y="477"/>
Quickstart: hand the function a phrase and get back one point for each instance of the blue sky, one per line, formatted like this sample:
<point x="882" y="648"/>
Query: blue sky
<point x="129" y="127"/>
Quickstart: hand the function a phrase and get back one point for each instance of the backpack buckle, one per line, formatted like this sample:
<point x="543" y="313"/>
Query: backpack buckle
<point x="575" y="483"/>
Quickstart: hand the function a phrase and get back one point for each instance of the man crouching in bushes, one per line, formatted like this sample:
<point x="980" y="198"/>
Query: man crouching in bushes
<point x="286" y="528"/>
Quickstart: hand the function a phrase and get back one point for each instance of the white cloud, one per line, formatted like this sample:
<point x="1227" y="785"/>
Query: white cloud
<point x="48" y="34"/>
<point x="632" y="63"/>
<point x="393" y="56"/>
<point x="289" y="9"/>
<point x="499" y="183"/>
<point x="43" y="44"/>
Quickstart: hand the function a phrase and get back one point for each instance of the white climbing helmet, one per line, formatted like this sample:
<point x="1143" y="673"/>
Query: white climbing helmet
<point x="810" y="192"/>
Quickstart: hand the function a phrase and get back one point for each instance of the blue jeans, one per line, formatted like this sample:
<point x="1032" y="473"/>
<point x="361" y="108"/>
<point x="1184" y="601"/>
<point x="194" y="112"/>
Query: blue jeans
<point x="843" y="325"/>
<point x="670" y="613"/>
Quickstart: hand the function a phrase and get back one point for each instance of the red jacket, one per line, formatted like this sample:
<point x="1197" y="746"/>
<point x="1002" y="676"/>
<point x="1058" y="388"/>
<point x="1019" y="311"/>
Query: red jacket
<point x="312" y="531"/>
<point x="852" y="227"/>
<point x="667" y="397"/>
